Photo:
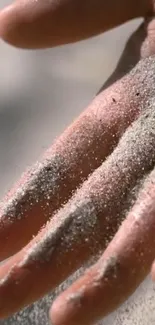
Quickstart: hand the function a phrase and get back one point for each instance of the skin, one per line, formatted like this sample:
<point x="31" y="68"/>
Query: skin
<point x="129" y="255"/>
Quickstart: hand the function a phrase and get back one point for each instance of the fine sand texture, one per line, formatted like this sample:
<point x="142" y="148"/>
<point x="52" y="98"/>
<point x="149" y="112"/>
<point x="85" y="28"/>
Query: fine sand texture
<point x="30" y="103"/>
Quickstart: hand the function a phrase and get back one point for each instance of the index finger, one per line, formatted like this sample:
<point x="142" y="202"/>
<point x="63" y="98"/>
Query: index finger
<point x="42" y="23"/>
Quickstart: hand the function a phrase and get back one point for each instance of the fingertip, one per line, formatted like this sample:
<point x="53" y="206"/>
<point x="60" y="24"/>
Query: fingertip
<point x="6" y="23"/>
<point x="16" y="25"/>
<point x="9" y="25"/>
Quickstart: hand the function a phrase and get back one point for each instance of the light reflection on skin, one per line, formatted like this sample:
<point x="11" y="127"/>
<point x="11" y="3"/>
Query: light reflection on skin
<point x="151" y="49"/>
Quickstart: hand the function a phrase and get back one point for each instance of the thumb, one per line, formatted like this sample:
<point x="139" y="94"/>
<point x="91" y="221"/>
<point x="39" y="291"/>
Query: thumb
<point x="48" y="23"/>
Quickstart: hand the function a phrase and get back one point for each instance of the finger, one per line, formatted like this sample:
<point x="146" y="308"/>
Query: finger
<point x="51" y="182"/>
<point x="120" y="270"/>
<point x="40" y="24"/>
<point x="82" y="228"/>
<point x="80" y="150"/>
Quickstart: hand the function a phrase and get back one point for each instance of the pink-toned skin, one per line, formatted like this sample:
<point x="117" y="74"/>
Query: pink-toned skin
<point x="128" y="258"/>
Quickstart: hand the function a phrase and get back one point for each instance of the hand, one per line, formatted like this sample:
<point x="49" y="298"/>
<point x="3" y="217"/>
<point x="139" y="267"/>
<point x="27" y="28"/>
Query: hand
<point x="93" y="192"/>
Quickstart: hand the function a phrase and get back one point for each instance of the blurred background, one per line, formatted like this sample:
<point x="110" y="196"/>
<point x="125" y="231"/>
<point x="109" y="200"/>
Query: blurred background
<point x="41" y="92"/>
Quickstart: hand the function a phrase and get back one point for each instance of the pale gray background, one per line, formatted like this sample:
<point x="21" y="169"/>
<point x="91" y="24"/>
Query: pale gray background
<point x="40" y="93"/>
